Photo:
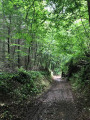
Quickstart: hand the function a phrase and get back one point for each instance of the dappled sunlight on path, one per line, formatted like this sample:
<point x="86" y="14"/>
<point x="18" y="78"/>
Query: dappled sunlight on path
<point x="56" y="104"/>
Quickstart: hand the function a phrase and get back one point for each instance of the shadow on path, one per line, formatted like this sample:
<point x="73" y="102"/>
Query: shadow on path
<point x="56" y="104"/>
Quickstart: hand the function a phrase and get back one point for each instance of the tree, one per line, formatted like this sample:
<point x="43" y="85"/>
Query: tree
<point x="88" y="2"/>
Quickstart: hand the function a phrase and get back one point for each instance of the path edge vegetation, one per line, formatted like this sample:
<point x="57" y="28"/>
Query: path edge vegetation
<point x="34" y="38"/>
<point x="20" y="89"/>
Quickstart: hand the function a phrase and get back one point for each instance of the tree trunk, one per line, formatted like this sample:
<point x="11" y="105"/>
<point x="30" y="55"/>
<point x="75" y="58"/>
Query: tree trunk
<point x="89" y="10"/>
<point x="28" y="59"/>
<point x="8" y="40"/>
<point x="18" y="53"/>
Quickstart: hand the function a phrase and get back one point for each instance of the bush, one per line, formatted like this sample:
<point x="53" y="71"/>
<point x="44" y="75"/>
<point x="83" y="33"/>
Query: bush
<point x="80" y="79"/>
<point x="21" y="84"/>
<point x="6" y="83"/>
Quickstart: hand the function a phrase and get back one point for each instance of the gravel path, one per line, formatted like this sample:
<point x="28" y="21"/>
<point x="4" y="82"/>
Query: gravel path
<point x="56" y="104"/>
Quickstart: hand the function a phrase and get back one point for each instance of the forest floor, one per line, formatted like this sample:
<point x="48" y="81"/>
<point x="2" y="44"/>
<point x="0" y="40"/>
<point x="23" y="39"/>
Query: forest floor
<point x="55" y="104"/>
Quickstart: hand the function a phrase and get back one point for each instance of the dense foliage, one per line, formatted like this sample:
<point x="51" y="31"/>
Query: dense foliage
<point x="22" y="84"/>
<point x="42" y="35"/>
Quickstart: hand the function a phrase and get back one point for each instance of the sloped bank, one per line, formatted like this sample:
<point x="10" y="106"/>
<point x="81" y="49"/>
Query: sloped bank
<point x="19" y="89"/>
<point x="78" y="73"/>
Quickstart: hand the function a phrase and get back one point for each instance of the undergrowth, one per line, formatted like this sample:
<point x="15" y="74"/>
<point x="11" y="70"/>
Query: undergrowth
<point x="22" y="84"/>
<point x="18" y="89"/>
<point x="78" y="73"/>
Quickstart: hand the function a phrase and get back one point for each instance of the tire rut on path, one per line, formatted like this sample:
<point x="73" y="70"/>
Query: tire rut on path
<point x="56" y="104"/>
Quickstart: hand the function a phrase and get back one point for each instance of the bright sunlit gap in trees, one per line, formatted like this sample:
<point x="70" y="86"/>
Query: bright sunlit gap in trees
<point x="51" y="7"/>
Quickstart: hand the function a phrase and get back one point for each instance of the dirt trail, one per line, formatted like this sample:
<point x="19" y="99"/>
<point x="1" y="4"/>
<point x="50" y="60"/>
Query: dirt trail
<point x="56" y="104"/>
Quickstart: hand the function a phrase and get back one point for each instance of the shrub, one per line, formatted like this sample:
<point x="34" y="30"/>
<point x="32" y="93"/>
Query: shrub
<point x="21" y="84"/>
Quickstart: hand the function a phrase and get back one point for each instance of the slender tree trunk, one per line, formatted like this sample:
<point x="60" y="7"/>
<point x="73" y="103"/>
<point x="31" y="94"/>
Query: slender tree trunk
<point x="8" y="40"/>
<point x="18" y="53"/>
<point x="89" y="10"/>
<point x="35" y="61"/>
<point x="3" y="56"/>
<point x="28" y="58"/>
<point x="9" y="31"/>
<point x="3" y="48"/>
<point x="89" y="19"/>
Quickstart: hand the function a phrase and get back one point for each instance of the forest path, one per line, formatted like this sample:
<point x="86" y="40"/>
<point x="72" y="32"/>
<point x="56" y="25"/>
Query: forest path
<point x="56" y="104"/>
